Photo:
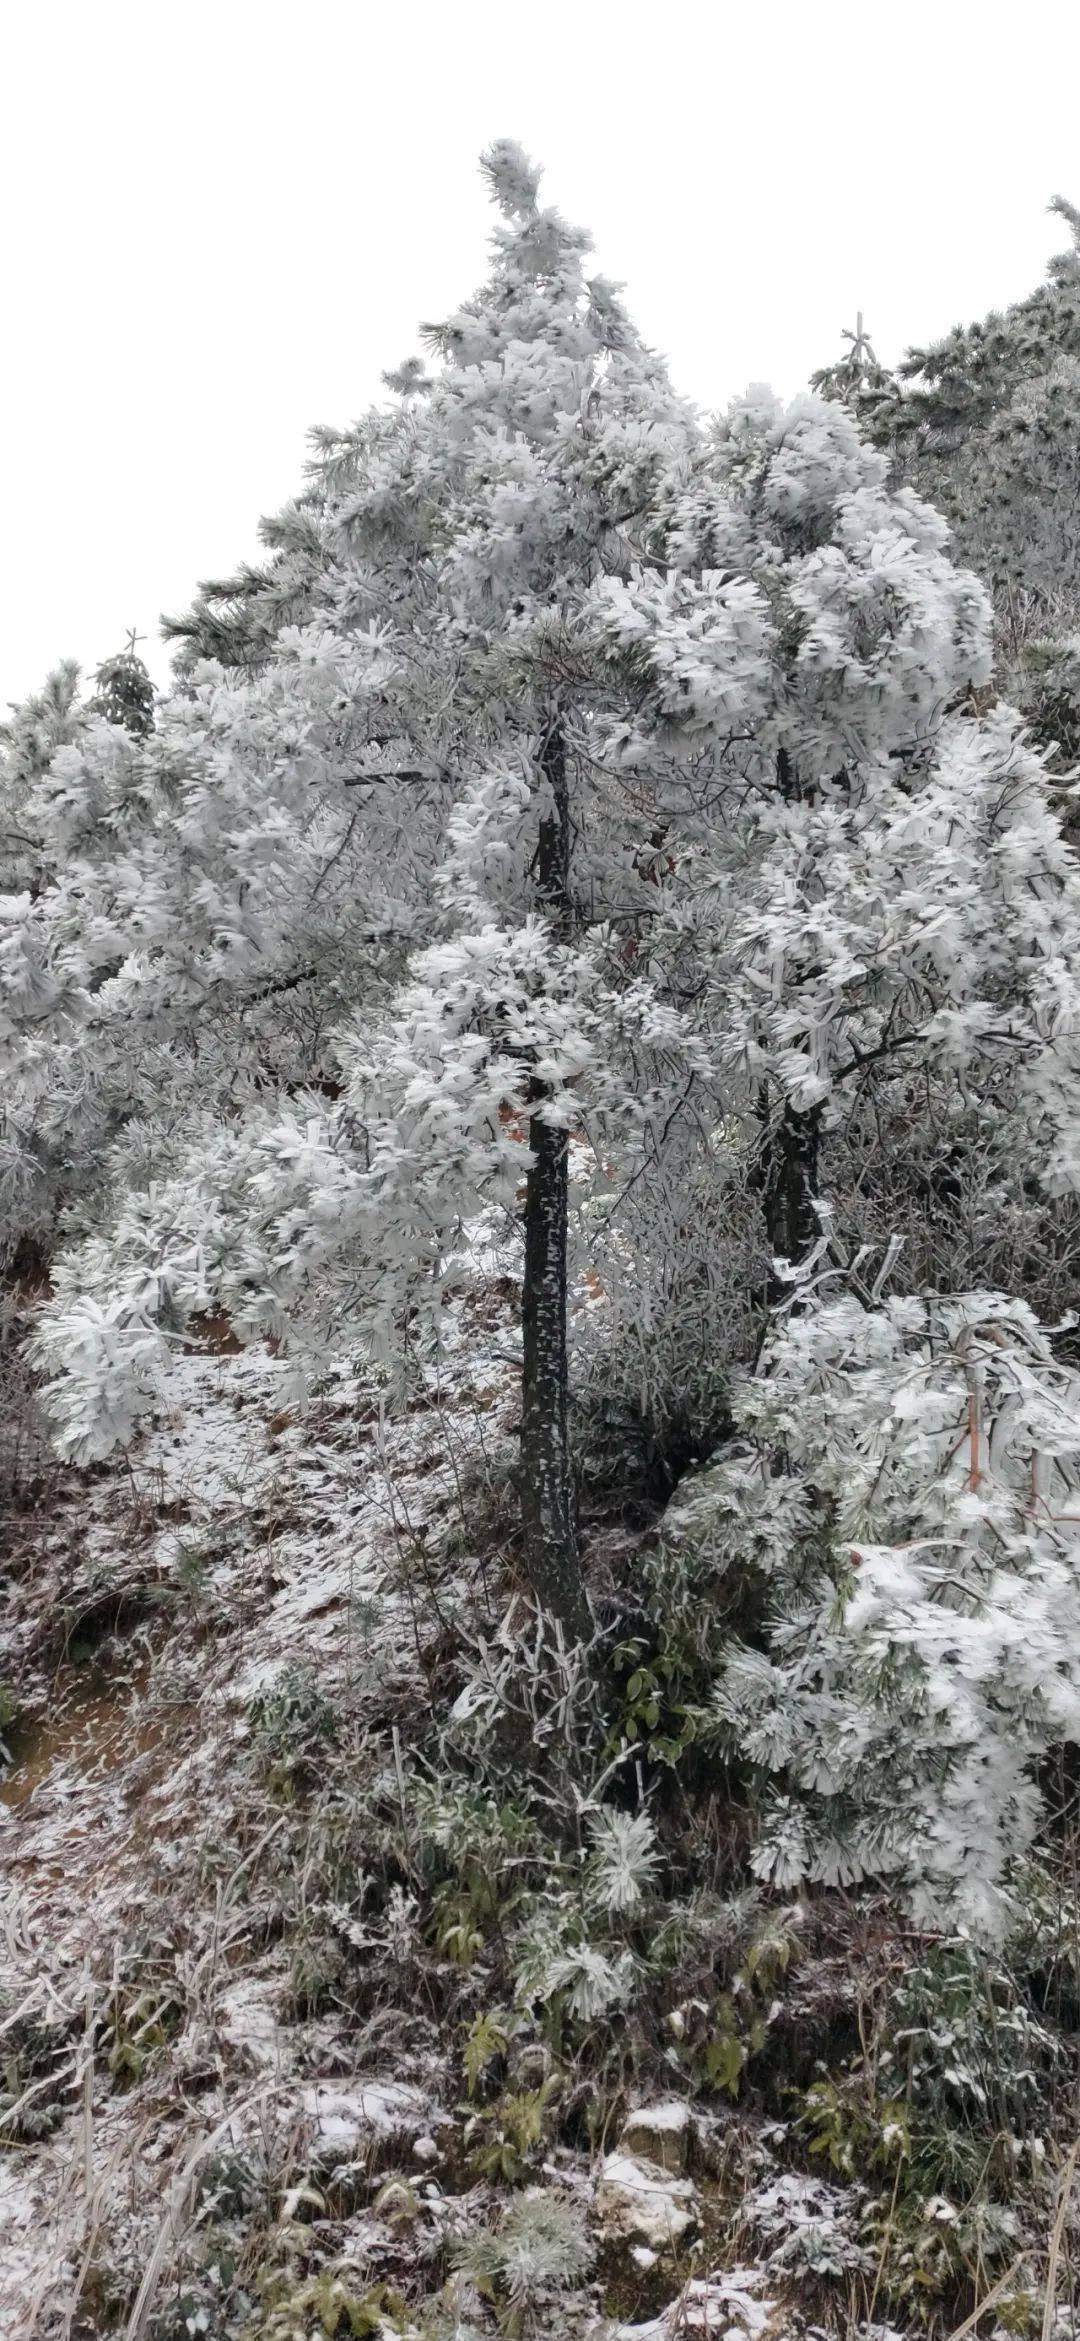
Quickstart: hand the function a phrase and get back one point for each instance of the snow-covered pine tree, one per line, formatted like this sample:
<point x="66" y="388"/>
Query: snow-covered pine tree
<point x="986" y="425"/>
<point x="444" y="682"/>
<point x="34" y="732"/>
<point x="123" y="691"/>
<point x="883" y="898"/>
<point x="604" y="763"/>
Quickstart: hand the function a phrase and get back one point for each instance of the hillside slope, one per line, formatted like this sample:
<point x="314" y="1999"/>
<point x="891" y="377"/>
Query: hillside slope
<point x="337" y="1999"/>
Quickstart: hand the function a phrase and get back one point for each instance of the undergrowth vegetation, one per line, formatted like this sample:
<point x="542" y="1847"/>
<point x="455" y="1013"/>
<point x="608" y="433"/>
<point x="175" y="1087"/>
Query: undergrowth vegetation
<point x="537" y="1892"/>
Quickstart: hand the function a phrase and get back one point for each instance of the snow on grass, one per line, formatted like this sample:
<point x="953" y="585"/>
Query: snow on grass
<point x="345" y="2120"/>
<point x="729" y="2304"/>
<point x="239" y="1539"/>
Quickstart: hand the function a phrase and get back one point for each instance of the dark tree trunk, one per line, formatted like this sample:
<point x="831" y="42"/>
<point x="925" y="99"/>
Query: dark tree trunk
<point x="547" y="1491"/>
<point x="792" y="1144"/>
<point x="547" y="1484"/>
<point x="791" y="1177"/>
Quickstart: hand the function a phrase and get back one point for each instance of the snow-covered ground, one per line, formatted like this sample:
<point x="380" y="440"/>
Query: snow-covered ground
<point x="147" y="2016"/>
<point x="239" y="1540"/>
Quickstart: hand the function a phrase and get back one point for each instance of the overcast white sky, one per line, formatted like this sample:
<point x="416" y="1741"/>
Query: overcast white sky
<point x="224" y="220"/>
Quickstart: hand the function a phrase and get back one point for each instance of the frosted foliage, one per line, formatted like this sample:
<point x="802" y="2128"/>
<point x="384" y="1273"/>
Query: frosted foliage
<point x="921" y="1562"/>
<point x="593" y="1983"/>
<point x="513" y="179"/>
<point x="377" y="1189"/>
<point x="491" y="837"/>
<point x="809" y="2225"/>
<point x="624" y="1860"/>
<point x="884" y="872"/>
<point x="540" y="2246"/>
<point x="987" y="423"/>
<point x="319" y="870"/>
<point x="284" y="987"/>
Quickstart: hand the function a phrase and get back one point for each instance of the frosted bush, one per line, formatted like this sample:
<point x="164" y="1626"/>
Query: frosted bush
<point x="907" y="1486"/>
